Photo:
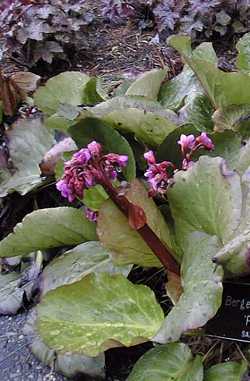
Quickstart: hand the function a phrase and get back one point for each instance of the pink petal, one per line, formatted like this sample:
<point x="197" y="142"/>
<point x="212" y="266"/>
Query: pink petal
<point x="150" y="157"/>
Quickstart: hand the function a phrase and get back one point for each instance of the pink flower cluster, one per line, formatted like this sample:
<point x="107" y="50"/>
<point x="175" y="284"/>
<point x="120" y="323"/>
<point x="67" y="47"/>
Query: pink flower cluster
<point x="87" y="168"/>
<point x="160" y="175"/>
<point x="189" y="144"/>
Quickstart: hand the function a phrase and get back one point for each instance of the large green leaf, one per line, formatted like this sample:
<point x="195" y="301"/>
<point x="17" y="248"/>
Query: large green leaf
<point x="204" y="51"/>
<point x="171" y="362"/>
<point x="149" y="128"/>
<point x="75" y="264"/>
<point x="47" y="228"/>
<point x="122" y="103"/>
<point x="58" y="122"/>
<point x="173" y="93"/>
<point x="99" y="312"/>
<point x="147" y="120"/>
<point x="28" y="142"/>
<point x="222" y="88"/>
<point x="89" y="129"/>
<point x="234" y="255"/>
<point x="125" y="244"/>
<point x="243" y="58"/>
<point x="65" y="88"/>
<point x="148" y="84"/>
<point x="228" y="371"/>
<point x="206" y="199"/>
<point x="202" y="285"/>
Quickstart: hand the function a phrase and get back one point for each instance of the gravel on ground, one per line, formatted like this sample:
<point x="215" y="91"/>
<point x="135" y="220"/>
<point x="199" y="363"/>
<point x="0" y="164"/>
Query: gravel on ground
<point x="17" y="363"/>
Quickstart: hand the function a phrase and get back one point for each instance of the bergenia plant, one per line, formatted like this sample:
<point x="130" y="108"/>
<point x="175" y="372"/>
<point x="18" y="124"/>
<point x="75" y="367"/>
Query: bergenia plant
<point x="158" y="178"/>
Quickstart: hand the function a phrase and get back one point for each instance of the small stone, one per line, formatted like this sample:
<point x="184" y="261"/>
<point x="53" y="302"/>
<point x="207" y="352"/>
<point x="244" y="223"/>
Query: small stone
<point x="50" y="377"/>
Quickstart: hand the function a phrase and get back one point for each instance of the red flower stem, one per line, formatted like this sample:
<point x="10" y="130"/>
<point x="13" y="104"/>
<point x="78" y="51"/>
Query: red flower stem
<point x="147" y="234"/>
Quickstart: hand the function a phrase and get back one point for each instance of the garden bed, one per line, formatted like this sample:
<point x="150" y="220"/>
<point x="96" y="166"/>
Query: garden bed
<point x="159" y="132"/>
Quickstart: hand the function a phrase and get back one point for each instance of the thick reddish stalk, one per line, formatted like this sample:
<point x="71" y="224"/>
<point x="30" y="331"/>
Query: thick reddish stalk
<point x="155" y="244"/>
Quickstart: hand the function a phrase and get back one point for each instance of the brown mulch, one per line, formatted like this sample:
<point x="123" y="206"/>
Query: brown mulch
<point x="113" y="51"/>
<point x="117" y="50"/>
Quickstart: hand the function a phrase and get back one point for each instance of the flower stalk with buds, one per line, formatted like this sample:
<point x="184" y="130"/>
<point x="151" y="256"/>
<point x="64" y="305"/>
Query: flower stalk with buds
<point x="160" y="175"/>
<point x="89" y="167"/>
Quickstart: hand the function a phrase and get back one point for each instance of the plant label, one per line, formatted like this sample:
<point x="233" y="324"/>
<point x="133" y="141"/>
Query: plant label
<point x="233" y="318"/>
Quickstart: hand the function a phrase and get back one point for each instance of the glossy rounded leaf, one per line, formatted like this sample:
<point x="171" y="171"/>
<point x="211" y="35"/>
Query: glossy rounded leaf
<point x="99" y="312"/>
<point x="206" y="198"/>
<point x="48" y="228"/>
<point x="171" y="362"/>
<point x="147" y="120"/>
<point x="65" y="88"/>
<point x="228" y="371"/>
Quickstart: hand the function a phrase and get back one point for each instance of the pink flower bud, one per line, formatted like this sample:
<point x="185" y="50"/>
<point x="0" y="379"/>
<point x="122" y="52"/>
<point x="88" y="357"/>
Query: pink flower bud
<point x="205" y="141"/>
<point x="150" y="157"/>
<point x="82" y="156"/>
<point x="158" y="174"/>
<point x="187" y="142"/>
<point x="89" y="179"/>
<point x="95" y="148"/>
<point x="122" y="161"/>
<point x="115" y="159"/>
<point x="63" y="187"/>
